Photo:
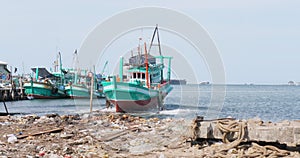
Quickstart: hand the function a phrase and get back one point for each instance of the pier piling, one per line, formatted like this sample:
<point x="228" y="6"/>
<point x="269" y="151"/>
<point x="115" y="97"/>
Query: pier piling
<point x="5" y="107"/>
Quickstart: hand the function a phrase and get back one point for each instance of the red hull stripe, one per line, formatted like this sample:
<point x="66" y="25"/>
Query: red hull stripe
<point x="135" y="106"/>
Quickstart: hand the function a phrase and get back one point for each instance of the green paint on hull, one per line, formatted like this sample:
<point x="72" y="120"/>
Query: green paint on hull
<point x="131" y="91"/>
<point x="42" y="90"/>
<point x="126" y="95"/>
<point x="80" y="92"/>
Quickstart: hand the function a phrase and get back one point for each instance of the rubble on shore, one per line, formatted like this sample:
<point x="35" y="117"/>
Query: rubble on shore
<point x="103" y="134"/>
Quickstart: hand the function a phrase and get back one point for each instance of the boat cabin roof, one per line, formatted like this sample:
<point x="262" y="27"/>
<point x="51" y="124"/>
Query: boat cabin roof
<point x="3" y="63"/>
<point x="42" y="72"/>
<point x="3" y="67"/>
<point x="152" y="68"/>
<point x="140" y="59"/>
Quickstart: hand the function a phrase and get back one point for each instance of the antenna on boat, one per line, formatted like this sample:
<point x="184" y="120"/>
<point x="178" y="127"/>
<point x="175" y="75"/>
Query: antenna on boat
<point x="158" y="44"/>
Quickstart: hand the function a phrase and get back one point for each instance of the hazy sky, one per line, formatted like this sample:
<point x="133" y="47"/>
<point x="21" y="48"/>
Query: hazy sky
<point x="258" y="41"/>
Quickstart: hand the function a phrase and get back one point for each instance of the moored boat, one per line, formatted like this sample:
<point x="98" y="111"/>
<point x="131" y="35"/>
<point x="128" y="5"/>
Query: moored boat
<point x="45" y="85"/>
<point x="145" y="87"/>
<point x="79" y="86"/>
<point x="79" y="91"/>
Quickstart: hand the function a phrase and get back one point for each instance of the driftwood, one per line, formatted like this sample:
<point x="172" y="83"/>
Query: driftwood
<point x="40" y="133"/>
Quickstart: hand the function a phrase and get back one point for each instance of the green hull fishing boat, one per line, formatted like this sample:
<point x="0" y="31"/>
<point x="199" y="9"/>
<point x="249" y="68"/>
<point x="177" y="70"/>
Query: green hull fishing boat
<point x="45" y="86"/>
<point x="80" y="83"/>
<point x="145" y="88"/>
<point x="77" y="89"/>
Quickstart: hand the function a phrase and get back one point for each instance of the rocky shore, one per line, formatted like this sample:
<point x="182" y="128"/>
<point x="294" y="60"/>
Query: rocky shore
<point x="105" y="134"/>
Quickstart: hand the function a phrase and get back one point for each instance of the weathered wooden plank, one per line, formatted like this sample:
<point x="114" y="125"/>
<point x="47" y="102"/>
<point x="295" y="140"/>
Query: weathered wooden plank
<point x="40" y="133"/>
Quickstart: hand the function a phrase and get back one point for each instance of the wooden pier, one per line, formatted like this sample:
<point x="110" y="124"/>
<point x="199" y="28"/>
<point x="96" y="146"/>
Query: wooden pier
<point x="12" y="94"/>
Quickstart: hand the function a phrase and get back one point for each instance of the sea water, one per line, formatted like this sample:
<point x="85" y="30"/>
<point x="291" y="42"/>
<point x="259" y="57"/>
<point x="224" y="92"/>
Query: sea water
<point x="268" y="102"/>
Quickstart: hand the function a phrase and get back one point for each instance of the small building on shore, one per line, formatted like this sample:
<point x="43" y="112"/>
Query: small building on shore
<point x="3" y="71"/>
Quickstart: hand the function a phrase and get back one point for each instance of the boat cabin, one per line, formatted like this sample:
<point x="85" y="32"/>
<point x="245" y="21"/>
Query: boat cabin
<point x="138" y="74"/>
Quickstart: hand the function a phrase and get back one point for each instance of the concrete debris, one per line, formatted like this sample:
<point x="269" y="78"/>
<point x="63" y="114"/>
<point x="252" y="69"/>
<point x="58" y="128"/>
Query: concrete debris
<point x="12" y="138"/>
<point x="105" y="134"/>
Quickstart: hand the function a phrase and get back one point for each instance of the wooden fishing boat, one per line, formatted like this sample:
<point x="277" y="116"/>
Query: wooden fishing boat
<point x="145" y="87"/>
<point x="79" y="85"/>
<point x="46" y="85"/>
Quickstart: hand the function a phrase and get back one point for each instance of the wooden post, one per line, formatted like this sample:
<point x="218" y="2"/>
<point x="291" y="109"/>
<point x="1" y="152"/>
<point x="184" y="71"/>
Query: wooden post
<point x="147" y="66"/>
<point x="169" y="70"/>
<point x="5" y="107"/>
<point x="21" y="86"/>
<point x="91" y="95"/>
<point x="12" y="95"/>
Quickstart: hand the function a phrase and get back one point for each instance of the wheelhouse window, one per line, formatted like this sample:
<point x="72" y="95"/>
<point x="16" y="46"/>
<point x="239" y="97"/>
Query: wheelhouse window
<point x="134" y="75"/>
<point x="155" y="74"/>
<point x="138" y="75"/>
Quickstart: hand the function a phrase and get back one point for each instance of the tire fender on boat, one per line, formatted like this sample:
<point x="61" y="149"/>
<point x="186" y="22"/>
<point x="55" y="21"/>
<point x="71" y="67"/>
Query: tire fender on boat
<point x="54" y="90"/>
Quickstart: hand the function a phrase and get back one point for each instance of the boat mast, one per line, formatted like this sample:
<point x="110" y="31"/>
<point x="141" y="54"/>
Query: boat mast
<point x="169" y="70"/>
<point x="121" y="69"/>
<point x="102" y="72"/>
<point x="60" y="63"/>
<point x="36" y="74"/>
<point x="151" y="44"/>
<point x="139" y="53"/>
<point x="147" y="66"/>
<point x="159" y="48"/>
<point x="158" y="40"/>
<point x="75" y="67"/>
<point x="60" y="66"/>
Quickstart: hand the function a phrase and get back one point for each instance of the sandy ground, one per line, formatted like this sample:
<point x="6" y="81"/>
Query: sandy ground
<point x="104" y="134"/>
